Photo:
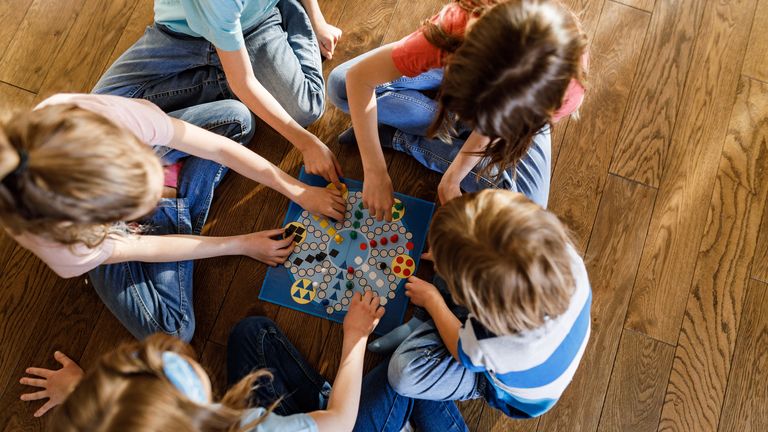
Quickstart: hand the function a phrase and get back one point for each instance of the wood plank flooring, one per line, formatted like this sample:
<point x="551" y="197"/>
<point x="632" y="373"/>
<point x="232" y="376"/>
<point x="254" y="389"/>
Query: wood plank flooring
<point x="663" y="180"/>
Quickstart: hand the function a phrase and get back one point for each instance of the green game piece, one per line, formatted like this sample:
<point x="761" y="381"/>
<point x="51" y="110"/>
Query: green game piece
<point x="356" y="224"/>
<point x="353" y="235"/>
<point x="395" y="215"/>
<point x="350" y="284"/>
<point x="399" y="206"/>
<point x="360" y="206"/>
<point x="358" y="214"/>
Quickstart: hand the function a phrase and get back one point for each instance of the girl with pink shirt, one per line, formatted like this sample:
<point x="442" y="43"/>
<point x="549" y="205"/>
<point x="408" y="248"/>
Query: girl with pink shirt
<point x="470" y="94"/>
<point x="83" y="187"/>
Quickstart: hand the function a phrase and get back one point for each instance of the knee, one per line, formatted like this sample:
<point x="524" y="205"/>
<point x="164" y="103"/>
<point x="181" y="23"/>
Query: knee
<point x="186" y="332"/>
<point x="310" y="109"/>
<point x="241" y="120"/>
<point x="402" y="373"/>
<point x="249" y="328"/>
<point x="337" y="87"/>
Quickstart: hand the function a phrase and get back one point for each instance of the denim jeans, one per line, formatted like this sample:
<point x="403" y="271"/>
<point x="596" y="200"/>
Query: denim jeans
<point x="403" y="105"/>
<point x="256" y="343"/>
<point x="384" y="410"/>
<point x="177" y="71"/>
<point x="157" y="297"/>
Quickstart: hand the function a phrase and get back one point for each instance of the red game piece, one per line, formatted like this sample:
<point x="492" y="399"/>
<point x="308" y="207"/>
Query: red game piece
<point x="409" y="245"/>
<point x="399" y="260"/>
<point x="397" y="269"/>
<point x="394" y="238"/>
<point x="373" y="243"/>
<point x="363" y="246"/>
<point x="383" y="241"/>
<point x="406" y="272"/>
<point x="350" y="270"/>
<point x="409" y="262"/>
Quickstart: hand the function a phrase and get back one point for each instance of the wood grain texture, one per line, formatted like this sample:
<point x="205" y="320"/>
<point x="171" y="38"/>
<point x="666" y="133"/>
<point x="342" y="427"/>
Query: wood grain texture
<point x="634" y="398"/>
<point x="495" y="421"/>
<point x="580" y="174"/>
<point x="646" y="5"/>
<point x="13" y="99"/>
<point x="612" y="260"/>
<point x="745" y="399"/>
<point x="11" y="14"/>
<point x="666" y="270"/>
<point x="142" y="16"/>
<point x="760" y="261"/>
<point x="756" y="58"/>
<point x="706" y="343"/>
<point x="655" y="99"/>
<point x="45" y="26"/>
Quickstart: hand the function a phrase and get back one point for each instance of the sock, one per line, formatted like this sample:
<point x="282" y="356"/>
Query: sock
<point x="393" y="339"/>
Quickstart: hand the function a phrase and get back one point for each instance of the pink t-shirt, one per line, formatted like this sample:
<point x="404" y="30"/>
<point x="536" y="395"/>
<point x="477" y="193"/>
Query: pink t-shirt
<point x="414" y="55"/>
<point x="145" y="120"/>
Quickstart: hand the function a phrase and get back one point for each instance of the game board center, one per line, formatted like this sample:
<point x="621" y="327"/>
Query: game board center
<point x="347" y="249"/>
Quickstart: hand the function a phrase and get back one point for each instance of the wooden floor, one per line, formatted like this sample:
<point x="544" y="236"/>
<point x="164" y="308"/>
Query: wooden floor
<point x="663" y="181"/>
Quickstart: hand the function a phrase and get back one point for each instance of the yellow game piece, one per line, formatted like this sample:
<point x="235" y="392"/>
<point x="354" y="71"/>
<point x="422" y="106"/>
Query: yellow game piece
<point x="331" y="231"/>
<point x="339" y="239"/>
<point x="324" y="224"/>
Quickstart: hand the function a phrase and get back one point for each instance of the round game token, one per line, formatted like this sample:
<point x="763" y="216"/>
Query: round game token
<point x="382" y="300"/>
<point x="409" y="246"/>
<point x="345" y="301"/>
<point x="321" y="295"/>
<point x="350" y="284"/>
<point x="403" y="266"/>
<point x="374" y="252"/>
<point x="383" y="241"/>
<point x="337" y="307"/>
<point x="382" y="266"/>
<point x="377" y="231"/>
<point x="401" y="230"/>
<point x="347" y="224"/>
<point x="332" y="271"/>
<point x="373" y="243"/>
<point x="302" y="273"/>
<point x="391" y="295"/>
<point x="363" y="246"/>
<point x="327" y="278"/>
<point x="358" y="214"/>
<point x="408" y="235"/>
<point x="392" y="252"/>
<point x="329" y="310"/>
<point x="358" y="273"/>
<point x="353" y="235"/>
<point x="304" y="246"/>
<point x="394" y="238"/>
<point x="356" y="224"/>
<point x="379" y="283"/>
<point x="350" y="270"/>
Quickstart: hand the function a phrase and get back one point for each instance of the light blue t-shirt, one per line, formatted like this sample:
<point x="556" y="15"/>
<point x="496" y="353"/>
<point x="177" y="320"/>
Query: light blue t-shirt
<point x="275" y="423"/>
<point x="221" y="22"/>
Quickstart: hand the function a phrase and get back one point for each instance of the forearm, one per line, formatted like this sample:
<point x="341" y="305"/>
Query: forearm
<point x="447" y="325"/>
<point x="172" y="248"/>
<point x="467" y="158"/>
<point x="344" y="400"/>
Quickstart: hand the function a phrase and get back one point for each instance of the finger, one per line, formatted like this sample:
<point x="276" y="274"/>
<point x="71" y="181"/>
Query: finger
<point x="34" y="382"/>
<point x="274" y="232"/>
<point x="286" y="242"/>
<point x="388" y="213"/>
<point x="63" y="359"/>
<point x="380" y="312"/>
<point x="45" y="373"/>
<point x="333" y="176"/>
<point x="427" y="255"/>
<point x="325" y="51"/>
<point x="337" y="165"/>
<point x="335" y="214"/>
<point x="42" y="394"/>
<point x="414" y="279"/>
<point x="44" y="409"/>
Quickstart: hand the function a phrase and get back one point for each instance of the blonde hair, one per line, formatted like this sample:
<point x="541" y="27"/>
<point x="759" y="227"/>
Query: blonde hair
<point x="504" y="258"/>
<point x="83" y="174"/>
<point x="128" y="391"/>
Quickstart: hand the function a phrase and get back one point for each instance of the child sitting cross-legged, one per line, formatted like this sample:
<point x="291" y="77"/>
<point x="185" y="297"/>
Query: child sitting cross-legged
<point x="523" y="290"/>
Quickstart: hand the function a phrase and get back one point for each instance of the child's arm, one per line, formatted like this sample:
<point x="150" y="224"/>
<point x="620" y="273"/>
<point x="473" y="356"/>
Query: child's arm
<point x="375" y="69"/>
<point x="426" y="295"/>
<point x="450" y="185"/>
<point x="327" y="35"/>
<point x="207" y="145"/>
<point x="56" y="385"/>
<point x="176" y="247"/>
<point x="363" y="315"/>
<point x="239" y="72"/>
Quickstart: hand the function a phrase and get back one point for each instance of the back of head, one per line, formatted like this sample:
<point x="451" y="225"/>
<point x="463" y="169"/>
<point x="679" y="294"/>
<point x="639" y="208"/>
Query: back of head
<point x="510" y="74"/>
<point x="128" y="391"/>
<point x="69" y="173"/>
<point x="504" y="258"/>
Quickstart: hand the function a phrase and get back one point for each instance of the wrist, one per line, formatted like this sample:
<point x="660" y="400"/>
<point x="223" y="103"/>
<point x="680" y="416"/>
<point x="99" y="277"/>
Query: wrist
<point x="376" y="170"/>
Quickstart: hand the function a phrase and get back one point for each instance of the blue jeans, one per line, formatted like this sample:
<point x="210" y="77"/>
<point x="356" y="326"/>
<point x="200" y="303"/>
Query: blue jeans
<point x="403" y="105"/>
<point x="256" y="343"/>
<point x="157" y="297"/>
<point x="177" y="71"/>
<point x="384" y="410"/>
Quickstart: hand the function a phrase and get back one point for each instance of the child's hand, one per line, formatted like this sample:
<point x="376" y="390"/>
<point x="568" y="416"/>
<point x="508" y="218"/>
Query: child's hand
<point x="422" y="293"/>
<point x="320" y="160"/>
<point x="56" y="384"/>
<point x="261" y="246"/>
<point x="427" y="256"/>
<point x="363" y="315"/>
<point x="378" y="196"/>
<point x="328" y="36"/>
<point x="323" y="201"/>
<point x="448" y="189"/>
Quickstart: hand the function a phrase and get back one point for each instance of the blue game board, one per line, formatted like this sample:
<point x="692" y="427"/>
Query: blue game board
<point x="336" y="259"/>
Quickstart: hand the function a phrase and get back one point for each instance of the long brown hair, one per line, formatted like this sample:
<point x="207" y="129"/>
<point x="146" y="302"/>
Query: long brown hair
<point x="128" y="391"/>
<point x="82" y="174"/>
<point x="504" y="258"/>
<point x="508" y="75"/>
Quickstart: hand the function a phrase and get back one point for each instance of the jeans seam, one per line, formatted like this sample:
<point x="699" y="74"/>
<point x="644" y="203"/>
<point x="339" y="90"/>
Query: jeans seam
<point x="142" y="305"/>
<point x="397" y="95"/>
<point x="176" y="92"/>
<point x="278" y="337"/>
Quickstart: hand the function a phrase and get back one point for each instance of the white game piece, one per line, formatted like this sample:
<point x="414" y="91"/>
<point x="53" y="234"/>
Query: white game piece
<point x="382" y="300"/>
<point x="408" y="235"/>
<point x="372" y="275"/>
<point x="391" y="295"/>
<point x="358" y="260"/>
<point x="379" y="283"/>
<point x="287" y="264"/>
<point x="370" y="235"/>
<point x="345" y="301"/>
<point x="364" y="267"/>
<point x="337" y="307"/>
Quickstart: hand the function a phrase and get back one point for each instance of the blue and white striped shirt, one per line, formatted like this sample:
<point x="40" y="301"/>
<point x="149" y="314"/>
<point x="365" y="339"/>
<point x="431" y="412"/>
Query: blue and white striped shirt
<point x="530" y="370"/>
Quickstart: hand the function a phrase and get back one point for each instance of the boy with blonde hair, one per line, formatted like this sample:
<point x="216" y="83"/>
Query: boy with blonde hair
<point x="527" y="296"/>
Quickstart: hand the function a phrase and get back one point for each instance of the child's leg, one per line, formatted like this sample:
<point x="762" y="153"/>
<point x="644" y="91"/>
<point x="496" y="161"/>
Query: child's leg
<point x="256" y="343"/>
<point x="383" y="410"/>
<point x="423" y="368"/>
<point x="286" y="60"/>
<point x="400" y="103"/>
<point x="530" y="176"/>
<point x="172" y="70"/>
<point x="157" y="297"/>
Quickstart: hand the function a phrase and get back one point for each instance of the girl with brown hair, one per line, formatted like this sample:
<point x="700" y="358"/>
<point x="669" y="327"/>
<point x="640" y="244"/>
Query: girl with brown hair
<point x="502" y="72"/>
<point x="156" y="385"/>
<point x="79" y="168"/>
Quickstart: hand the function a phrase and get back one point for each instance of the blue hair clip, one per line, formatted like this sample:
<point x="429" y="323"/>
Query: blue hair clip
<point x="183" y="376"/>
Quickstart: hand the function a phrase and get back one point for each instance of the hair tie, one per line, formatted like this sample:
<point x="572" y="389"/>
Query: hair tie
<point x="183" y="376"/>
<point x="23" y="162"/>
<point x="11" y="181"/>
